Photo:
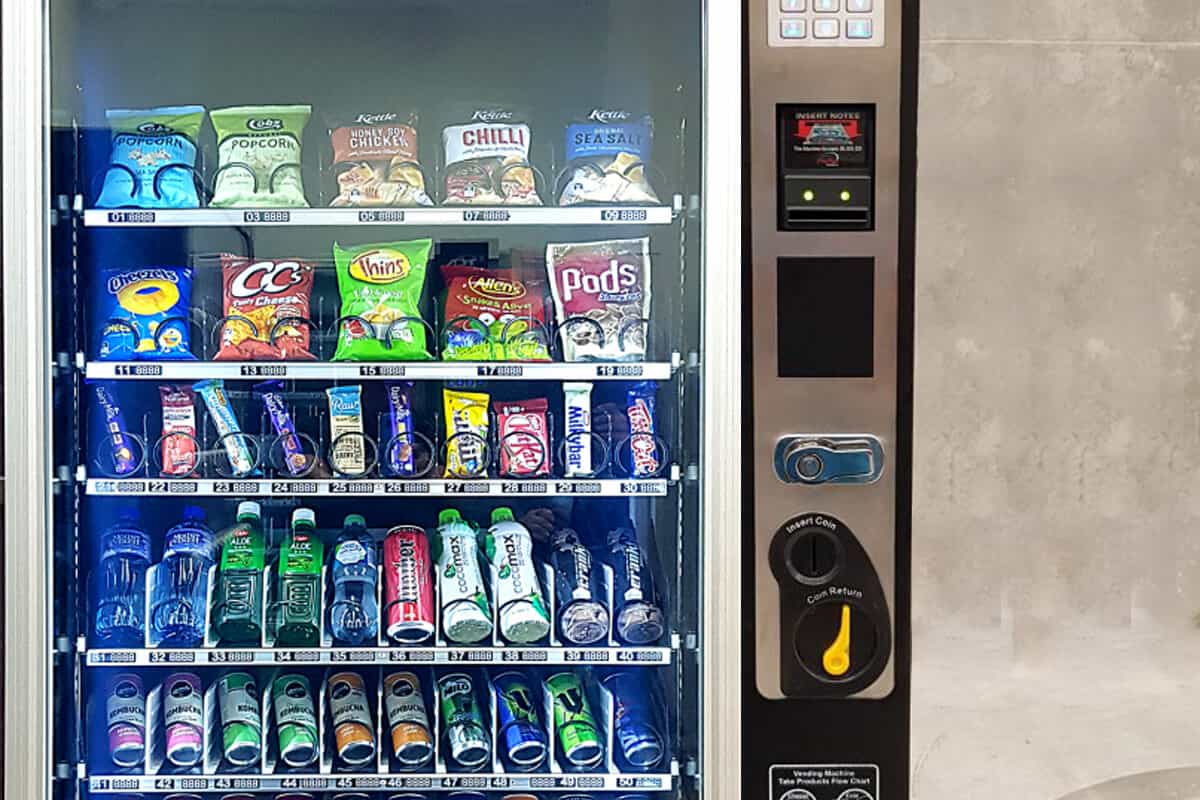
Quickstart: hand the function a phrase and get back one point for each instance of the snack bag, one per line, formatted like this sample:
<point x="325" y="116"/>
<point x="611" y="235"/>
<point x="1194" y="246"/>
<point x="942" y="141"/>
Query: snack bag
<point x="380" y="286"/>
<point x="524" y="437"/>
<point x="487" y="160"/>
<point x="510" y="310"/>
<point x="348" y="454"/>
<point x="178" y="430"/>
<point x="258" y="152"/>
<point x="467" y="451"/>
<point x="375" y="159"/>
<point x="143" y="314"/>
<point x="153" y="161"/>
<point x="264" y="301"/>
<point x="607" y="152"/>
<point x="601" y="298"/>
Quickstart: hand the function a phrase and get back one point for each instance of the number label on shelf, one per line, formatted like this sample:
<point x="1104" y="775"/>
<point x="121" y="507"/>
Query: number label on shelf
<point x="499" y="371"/>
<point x="236" y="487"/>
<point x="624" y="215"/>
<point x="486" y="215"/>
<point x="381" y="216"/>
<point x="406" y="487"/>
<point x="263" y="370"/>
<point x="375" y="370"/>
<point x="131" y="217"/>
<point x="620" y="370"/>
<point x="127" y="370"/>
<point x="258" y="217"/>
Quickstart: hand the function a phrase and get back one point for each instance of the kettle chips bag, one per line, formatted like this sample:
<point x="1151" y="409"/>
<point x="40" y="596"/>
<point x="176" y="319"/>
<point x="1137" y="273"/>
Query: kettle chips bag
<point x="376" y="161"/>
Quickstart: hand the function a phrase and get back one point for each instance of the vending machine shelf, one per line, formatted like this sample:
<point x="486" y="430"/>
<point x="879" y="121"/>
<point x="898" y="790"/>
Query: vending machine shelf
<point x="497" y="488"/>
<point x="418" y="370"/>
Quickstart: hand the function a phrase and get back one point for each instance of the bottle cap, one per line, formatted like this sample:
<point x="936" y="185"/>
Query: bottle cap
<point x="304" y="515"/>
<point x="249" y="508"/>
<point x="193" y="513"/>
<point x="448" y="516"/>
<point x="355" y="519"/>
<point x="502" y="515"/>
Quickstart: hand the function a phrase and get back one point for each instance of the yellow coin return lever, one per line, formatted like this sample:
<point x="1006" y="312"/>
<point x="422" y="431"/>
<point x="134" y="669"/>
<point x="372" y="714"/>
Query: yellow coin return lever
<point x="837" y="656"/>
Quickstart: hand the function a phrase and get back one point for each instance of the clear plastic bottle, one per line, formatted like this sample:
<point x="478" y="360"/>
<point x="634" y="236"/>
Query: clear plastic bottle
<point x="354" y="613"/>
<point x="119" y="584"/>
<point x="180" y="592"/>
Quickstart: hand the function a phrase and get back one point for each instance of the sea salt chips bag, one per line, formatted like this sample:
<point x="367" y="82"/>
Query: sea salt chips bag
<point x="258" y="154"/>
<point x="380" y="287"/>
<point x="153" y="158"/>
<point x="376" y="160"/>
<point x="607" y="151"/>
<point x="601" y="296"/>
<point x="486" y="160"/>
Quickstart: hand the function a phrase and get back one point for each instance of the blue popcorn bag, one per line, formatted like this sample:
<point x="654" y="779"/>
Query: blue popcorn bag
<point x="153" y="158"/>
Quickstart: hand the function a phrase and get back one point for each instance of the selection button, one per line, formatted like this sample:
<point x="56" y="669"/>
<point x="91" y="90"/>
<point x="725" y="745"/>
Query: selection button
<point x="859" y="29"/>
<point x="793" y="29"/>
<point x="793" y="6"/>
<point x="860" y="6"/>
<point x="826" y="28"/>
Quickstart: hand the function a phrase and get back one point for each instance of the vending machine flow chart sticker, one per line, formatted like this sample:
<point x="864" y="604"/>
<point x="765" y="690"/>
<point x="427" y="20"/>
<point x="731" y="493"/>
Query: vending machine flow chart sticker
<point x="825" y="782"/>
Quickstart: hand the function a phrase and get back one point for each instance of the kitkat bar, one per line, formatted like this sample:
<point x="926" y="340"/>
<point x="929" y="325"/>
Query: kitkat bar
<point x="524" y="437"/>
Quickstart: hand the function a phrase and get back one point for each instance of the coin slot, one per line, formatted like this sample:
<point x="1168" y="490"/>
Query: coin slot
<point x="813" y="556"/>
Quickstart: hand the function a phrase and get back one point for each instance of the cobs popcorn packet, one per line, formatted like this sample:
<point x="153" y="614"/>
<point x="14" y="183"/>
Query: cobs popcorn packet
<point x="380" y="287"/>
<point x="601" y="296"/>
<point x="143" y="314"/>
<point x="258" y="155"/>
<point x="153" y="160"/>
<point x="487" y="160"/>
<point x="607" y="152"/>
<point x="376" y="160"/>
<point x="266" y="309"/>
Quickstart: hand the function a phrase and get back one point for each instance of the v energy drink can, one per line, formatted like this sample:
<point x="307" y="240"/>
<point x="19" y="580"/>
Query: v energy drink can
<point x="408" y="585"/>
<point x="183" y="713"/>
<point x="295" y="720"/>
<point x="578" y="735"/>
<point x="126" y="712"/>
<point x="408" y="720"/>
<point x="241" y="721"/>
<point x="353" y="727"/>
<point x="636" y="720"/>
<point x="522" y="739"/>
<point x="470" y="745"/>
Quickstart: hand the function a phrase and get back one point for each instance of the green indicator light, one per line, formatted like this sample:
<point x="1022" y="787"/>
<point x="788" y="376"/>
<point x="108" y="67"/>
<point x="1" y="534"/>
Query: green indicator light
<point x="845" y="195"/>
<point x="809" y="195"/>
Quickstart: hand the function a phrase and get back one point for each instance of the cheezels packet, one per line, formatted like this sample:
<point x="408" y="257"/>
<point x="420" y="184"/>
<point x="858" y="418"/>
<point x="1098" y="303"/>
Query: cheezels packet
<point x="380" y="287"/>
<point x="258" y="157"/>
<point x="486" y="159"/>
<point x="601" y="296"/>
<point x="607" y="150"/>
<point x="153" y="160"/>
<point x="375" y="160"/>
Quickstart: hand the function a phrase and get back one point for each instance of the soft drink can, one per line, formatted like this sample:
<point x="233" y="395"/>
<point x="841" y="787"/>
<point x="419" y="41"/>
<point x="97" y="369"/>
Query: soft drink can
<point x="295" y="720"/>
<point x="241" y="721"/>
<point x="470" y="745"/>
<point x="519" y="797"/>
<point x="639" y="617"/>
<point x="408" y="720"/>
<point x="350" y="796"/>
<point x="126" y="709"/>
<point x="183" y="713"/>
<point x="197" y="797"/>
<point x="635" y="720"/>
<point x="239" y="796"/>
<point x="522" y="737"/>
<point x="406" y="796"/>
<point x="353" y="727"/>
<point x="466" y="796"/>
<point x="295" y="796"/>
<point x="408" y="585"/>
<point x="578" y="735"/>
<point x="582" y="614"/>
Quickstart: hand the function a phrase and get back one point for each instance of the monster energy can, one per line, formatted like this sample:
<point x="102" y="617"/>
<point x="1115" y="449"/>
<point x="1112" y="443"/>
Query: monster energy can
<point x="295" y="720"/>
<point x="470" y="745"/>
<point x="241" y="721"/>
<point x="578" y="736"/>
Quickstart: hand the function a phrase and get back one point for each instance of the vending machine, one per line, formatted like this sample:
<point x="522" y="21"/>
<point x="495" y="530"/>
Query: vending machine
<point x="457" y="399"/>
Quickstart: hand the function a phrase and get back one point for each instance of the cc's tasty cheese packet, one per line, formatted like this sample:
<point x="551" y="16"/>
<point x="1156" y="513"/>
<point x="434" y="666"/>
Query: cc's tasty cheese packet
<point x="258" y="157"/>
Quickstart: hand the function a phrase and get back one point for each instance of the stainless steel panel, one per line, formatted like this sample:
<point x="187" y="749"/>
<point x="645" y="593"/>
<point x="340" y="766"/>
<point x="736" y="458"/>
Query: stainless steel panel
<point x="784" y="406"/>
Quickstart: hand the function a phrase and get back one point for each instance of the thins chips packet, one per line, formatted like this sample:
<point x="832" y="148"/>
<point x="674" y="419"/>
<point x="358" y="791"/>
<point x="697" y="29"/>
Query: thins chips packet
<point x="607" y="152"/>
<point x="143" y="314"/>
<point x="375" y="160"/>
<point x="258" y="151"/>
<point x="466" y="433"/>
<point x="487" y="160"/>
<point x="601" y="298"/>
<point x="380" y="286"/>
<point x="265" y="301"/>
<point x="153" y="160"/>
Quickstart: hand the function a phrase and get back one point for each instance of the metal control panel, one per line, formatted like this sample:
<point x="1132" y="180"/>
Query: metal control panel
<point x="829" y="209"/>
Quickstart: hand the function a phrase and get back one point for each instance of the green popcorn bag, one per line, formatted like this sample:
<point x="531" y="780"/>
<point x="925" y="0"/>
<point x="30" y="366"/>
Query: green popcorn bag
<point x="258" y="154"/>
<point x="380" y="287"/>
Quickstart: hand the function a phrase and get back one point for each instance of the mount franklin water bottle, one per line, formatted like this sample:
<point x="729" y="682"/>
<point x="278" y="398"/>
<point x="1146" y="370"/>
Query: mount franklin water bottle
<point x="354" y="613"/>
<point x="180" y="592"/>
<point x="119" y="584"/>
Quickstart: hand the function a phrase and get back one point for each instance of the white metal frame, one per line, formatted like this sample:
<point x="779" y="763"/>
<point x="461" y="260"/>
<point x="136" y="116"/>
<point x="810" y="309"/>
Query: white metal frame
<point x="28" y="556"/>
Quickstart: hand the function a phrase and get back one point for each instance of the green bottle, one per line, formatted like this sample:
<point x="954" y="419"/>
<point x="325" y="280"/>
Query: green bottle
<point x="238" y="600"/>
<point x="298" y="591"/>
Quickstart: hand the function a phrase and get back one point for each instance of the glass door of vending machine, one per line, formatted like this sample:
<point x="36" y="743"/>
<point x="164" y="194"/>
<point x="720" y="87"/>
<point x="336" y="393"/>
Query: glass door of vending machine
<point x="369" y="416"/>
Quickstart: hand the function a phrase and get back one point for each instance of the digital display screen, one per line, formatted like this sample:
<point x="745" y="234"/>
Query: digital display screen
<point x="826" y="137"/>
<point x="826" y="317"/>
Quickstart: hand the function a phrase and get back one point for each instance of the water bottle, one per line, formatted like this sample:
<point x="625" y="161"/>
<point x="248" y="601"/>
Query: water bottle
<point x="354" y="614"/>
<point x="298" y="584"/>
<point x="120" y="584"/>
<point x="238" y="599"/>
<point x="180" y="592"/>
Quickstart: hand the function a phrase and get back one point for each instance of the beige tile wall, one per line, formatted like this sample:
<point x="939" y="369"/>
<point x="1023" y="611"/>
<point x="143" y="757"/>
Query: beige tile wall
<point x="1057" y="548"/>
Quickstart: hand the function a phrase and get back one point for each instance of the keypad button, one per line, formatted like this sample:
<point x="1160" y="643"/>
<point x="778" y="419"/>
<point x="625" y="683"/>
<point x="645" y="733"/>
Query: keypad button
<point x="859" y="29"/>
<point x="793" y="29"/>
<point x="791" y="6"/>
<point x="826" y="28"/>
<point x="827" y="6"/>
<point x="860" y="6"/>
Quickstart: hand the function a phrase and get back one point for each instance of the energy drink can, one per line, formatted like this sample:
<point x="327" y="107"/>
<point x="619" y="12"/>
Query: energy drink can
<point x="408" y="720"/>
<point x="522" y="739"/>
<point x="295" y="796"/>
<point x="639" y="617"/>
<point x="466" y="796"/>
<point x="579" y="739"/>
<point x="241" y="721"/>
<point x="406" y="796"/>
<point x="470" y="745"/>
<point x="408" y="585"/>
<point x="636" y="720"/>
<point x="183" y="714"/>
<point x="582" y="613"/>
<point x="353" y="727"/>
<point x="350" y="796"/>
<point x="295" y="720"/>
<point x="126" y="711"/>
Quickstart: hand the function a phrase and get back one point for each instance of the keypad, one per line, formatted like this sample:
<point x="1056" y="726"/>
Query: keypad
<point x="826" y="23"/>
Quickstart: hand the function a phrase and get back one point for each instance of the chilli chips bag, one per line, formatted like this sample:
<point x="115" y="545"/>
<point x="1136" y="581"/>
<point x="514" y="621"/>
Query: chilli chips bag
<point x="487" y="160"/>
<point x="265" y="301"/>
<point x="375" y="158"/>
<point x="258" y="149"/>
<point x="511" y="311"/>
<point x="380" y="286"/>
<point x="601" y="298"/>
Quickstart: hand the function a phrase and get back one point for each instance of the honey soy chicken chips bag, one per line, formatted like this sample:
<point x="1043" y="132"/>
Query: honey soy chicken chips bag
<point x="258" y="151"/>
<point x="375" y="160"/>
<point x="380" y="287"/>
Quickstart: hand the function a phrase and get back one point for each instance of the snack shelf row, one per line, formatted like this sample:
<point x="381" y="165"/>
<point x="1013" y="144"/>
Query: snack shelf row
<point x="472" y="216"/>
<point x="414" y="370"/>
<point x="350" y="487"/>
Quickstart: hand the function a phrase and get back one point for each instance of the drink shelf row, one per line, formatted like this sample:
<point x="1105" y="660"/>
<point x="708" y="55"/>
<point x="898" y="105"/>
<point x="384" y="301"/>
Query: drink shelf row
<point x="158" y="784"/>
